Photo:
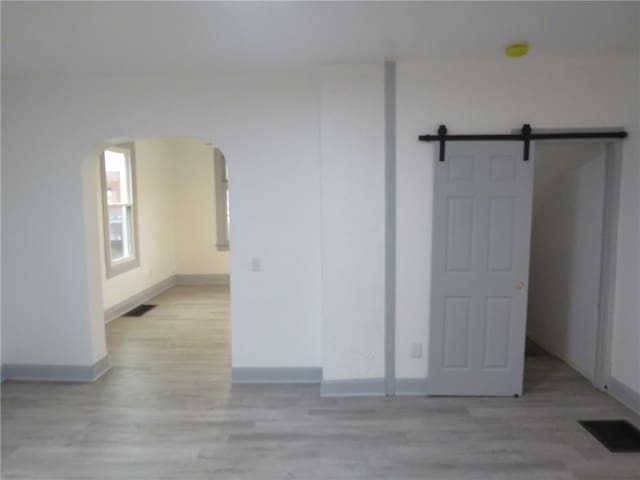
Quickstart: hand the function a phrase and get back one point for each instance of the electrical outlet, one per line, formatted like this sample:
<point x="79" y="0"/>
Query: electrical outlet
<point x="256" y="264"/>
<point x="416" y="350"/>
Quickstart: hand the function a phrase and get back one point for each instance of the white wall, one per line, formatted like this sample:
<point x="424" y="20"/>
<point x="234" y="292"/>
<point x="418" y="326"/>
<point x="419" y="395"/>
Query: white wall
<point x="156" y="205"/>
<point x="266" y="123"/>
<point x="353" y="221"/>
<point x="195" y="221"/>
<point x="566" y="247"/>
<point x="497" y="95"/>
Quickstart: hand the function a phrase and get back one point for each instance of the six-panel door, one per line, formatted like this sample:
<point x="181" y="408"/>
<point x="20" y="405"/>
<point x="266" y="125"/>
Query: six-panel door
<point x="480" y="264"/>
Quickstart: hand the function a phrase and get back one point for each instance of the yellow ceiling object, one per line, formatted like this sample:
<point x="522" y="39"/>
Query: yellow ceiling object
<point x="516" y="50"/>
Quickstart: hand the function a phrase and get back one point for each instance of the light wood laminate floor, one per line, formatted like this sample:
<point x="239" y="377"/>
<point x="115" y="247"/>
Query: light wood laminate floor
<point x="166" y="410"/>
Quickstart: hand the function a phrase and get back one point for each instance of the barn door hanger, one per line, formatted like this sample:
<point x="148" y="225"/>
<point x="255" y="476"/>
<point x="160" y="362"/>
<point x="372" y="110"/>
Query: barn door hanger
<point x="525" y="136"/>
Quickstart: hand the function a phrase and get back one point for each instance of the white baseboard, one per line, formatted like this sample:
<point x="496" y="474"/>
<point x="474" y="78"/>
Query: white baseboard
<point x="202" y="279"/>
<point x="356" y="387"/>
<point x="275" y="375"/>
<point x="624" y="395"/>
<point x="123" y="307"/>
<point x="412" y="387"/>
<point x="56" y="373"/>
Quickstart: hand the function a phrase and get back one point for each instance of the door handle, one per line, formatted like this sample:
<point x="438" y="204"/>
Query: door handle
<point x="520" y="285"/>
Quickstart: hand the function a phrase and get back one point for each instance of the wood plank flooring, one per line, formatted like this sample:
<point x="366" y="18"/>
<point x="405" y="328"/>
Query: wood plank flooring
<point x="166" y="410"/>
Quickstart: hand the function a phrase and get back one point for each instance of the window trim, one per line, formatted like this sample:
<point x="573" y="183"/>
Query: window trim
<point x="117" y="267"/>
<point x="221" y="188"/>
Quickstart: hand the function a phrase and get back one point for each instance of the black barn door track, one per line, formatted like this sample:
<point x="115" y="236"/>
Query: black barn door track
<point x="526" y="135"/>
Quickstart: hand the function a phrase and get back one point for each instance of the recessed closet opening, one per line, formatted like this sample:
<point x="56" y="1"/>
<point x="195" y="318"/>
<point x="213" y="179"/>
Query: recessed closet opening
<point x="571" y="218"/>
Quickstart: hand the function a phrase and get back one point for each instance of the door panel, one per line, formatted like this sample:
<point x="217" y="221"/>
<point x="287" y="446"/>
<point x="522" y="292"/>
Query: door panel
<point x="501" y="234"/>
<point x="496" y="334"/>
<point x="460" y="169"/>
<point x="480" y="264"/>
<point x="503" y="168"/>
<point x="456" y="332"/>
<point x="459" y="233"/>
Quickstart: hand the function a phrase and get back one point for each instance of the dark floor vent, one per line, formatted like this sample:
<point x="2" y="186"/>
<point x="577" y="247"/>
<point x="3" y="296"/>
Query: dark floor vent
<point x="139" y="311"/>
<point x="616" y="435"/>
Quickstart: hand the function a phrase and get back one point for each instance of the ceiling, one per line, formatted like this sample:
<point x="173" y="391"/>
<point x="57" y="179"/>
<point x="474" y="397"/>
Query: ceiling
<point x="107" y="37"/>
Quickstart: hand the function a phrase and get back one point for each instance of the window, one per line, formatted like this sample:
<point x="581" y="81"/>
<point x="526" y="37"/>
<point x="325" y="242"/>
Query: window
<point x="222" y="199"/>
<point x="119" y="209"/>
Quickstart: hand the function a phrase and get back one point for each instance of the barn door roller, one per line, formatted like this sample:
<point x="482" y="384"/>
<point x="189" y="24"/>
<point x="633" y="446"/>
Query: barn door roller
<point x="525" y="136"/>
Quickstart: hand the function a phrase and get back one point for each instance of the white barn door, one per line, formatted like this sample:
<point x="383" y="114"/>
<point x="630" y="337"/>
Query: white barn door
<point x="480" y="268"/>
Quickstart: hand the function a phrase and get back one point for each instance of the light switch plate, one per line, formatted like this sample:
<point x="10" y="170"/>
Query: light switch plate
<point x="416" y="350"/>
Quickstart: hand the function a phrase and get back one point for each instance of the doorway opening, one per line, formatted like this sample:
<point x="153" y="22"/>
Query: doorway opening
<point x="483" y="203"/>
<point x="570" y="259"/>
<point x="163" y="235"/>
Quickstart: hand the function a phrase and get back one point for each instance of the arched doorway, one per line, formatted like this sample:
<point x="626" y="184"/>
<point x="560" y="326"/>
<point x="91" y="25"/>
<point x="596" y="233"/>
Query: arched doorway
<point x="162" y="236"/>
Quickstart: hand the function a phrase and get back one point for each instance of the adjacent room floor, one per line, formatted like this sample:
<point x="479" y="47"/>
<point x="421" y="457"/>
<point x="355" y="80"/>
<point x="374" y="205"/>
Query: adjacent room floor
<point x="166" y="410"/>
